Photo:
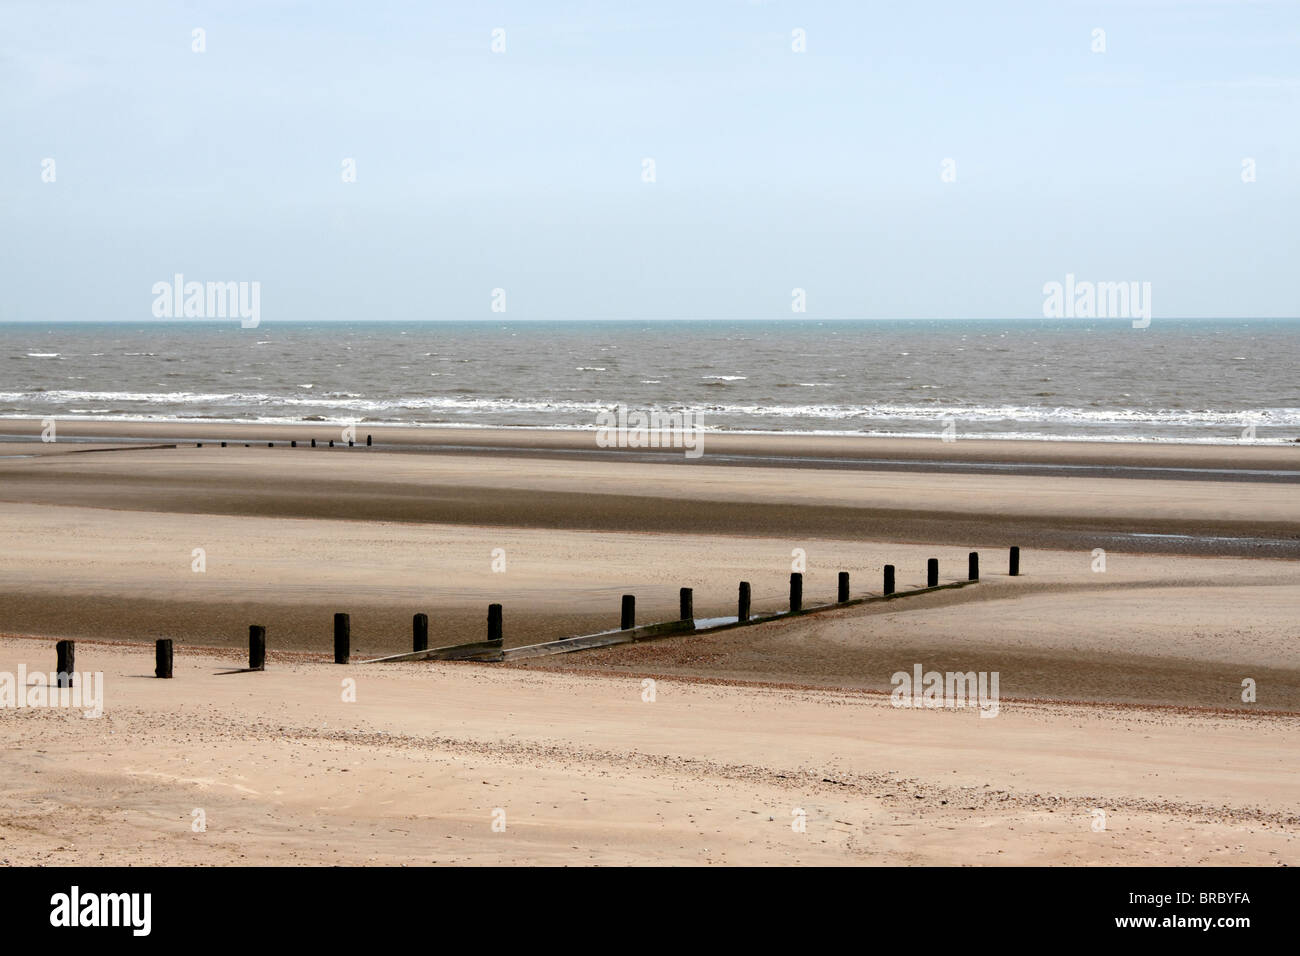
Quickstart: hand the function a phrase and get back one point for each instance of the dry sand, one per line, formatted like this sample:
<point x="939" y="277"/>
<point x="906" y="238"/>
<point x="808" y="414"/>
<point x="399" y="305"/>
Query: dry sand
<point x="1121" y="688"/>
<point x="586" y="771"/>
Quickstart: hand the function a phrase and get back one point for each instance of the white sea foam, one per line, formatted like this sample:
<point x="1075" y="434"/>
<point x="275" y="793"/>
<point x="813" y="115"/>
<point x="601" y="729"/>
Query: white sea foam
<point x="1050" y="383"/>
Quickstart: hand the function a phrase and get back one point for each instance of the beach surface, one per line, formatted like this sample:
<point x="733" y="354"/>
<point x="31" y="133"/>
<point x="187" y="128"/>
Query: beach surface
<point x="277" y="767"/>
<point x="1156" y="584"/>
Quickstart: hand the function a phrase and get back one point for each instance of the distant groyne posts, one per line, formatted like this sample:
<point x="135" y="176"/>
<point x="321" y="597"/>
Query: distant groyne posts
<point x="293" y="442"/>
<point x="1014" y="569"/>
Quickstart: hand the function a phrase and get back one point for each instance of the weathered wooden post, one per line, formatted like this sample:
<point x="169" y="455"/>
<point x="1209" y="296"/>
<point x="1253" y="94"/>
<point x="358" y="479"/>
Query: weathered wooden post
<point x="889" y="579"/>
<point x="932" y="573"/>
<point x="223" y="444"/>
<point x="420" y="632"/>
<point x="627" y="619"/>
<point x="686" y="604"/>
<point x="65" y="655"/>
<point x="162" y="657"/>
<point x="742" y="607"/>
<point x="256" y="647"/>
<point x="796" y="592"/>
<point x="331" y="442"/>
<point x="844" y="586"/>
<point x="973" y="566"/>
<point x="495" y="634"/>
<point x="367" y="441"/>
<point x="293" y="444"/>
<point x="342" y="638"/>
<point x="1015" y="562"/>
<point x="313" y="443"/>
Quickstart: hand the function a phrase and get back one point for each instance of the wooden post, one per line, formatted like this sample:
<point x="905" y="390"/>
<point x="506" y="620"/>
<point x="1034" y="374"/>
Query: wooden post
<point x="1015" y="562"/>
<point x="342" y="638"/>
<point x="686" y="604"/>
<point x="223" y="444"/>
<point x="742" y="607"/>
<point x="973" y="572"/>
<point x="313" y="443"/>
<point x="627" y="619"/>
<point x="162" y="657"/>
<point x="494" y="624"/>
<point x="889" y="579"/>
<point x="256" y="647"/>
<point x="420" y="632"/>
<point x="331" y="442"/>
<point x="796" y="592"/>
<point x="932" y="573"/>
<point x="293" y="444"/>
<point x="367" y="441"/>
<point x="65" y="654"/>
<point x="198" y="445"/>
<point x="270" y="444"/>
<point x="351" y="443"/>
<point x="844" y="586"/>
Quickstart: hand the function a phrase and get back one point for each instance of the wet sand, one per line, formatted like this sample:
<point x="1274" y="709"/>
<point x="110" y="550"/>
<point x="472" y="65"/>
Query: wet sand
<point x="817" y="450"/>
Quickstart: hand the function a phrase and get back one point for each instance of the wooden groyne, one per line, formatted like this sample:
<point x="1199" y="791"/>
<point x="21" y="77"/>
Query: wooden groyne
<point x="493" y="649"/>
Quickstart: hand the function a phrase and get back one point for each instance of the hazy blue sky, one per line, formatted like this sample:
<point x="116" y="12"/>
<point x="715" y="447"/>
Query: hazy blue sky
<point x="523" y="170"/>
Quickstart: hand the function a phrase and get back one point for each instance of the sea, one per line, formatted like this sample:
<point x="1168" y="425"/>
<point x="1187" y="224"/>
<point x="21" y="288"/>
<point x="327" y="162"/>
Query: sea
<point x="1203" y="381"/>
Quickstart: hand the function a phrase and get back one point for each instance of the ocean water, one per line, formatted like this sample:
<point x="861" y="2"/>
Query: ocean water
<point x="1186" y="381"/>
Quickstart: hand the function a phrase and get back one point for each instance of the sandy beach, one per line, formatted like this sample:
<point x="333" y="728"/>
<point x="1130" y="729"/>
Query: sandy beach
<point x="581" y="770"/>
<point x="1121" y="686"/>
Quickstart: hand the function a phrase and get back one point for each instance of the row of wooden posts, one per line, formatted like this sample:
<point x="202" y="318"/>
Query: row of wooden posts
<point x="292" y="444"/>
<point x="65" y="650"/>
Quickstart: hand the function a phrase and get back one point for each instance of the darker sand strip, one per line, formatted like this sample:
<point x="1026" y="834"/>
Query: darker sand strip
<point x="772" y="655"/>
<point x="317" y="495"/>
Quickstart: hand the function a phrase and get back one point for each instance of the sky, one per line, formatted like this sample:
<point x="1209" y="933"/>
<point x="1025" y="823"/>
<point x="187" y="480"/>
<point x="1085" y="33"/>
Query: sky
<point x="524" y="169"/>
